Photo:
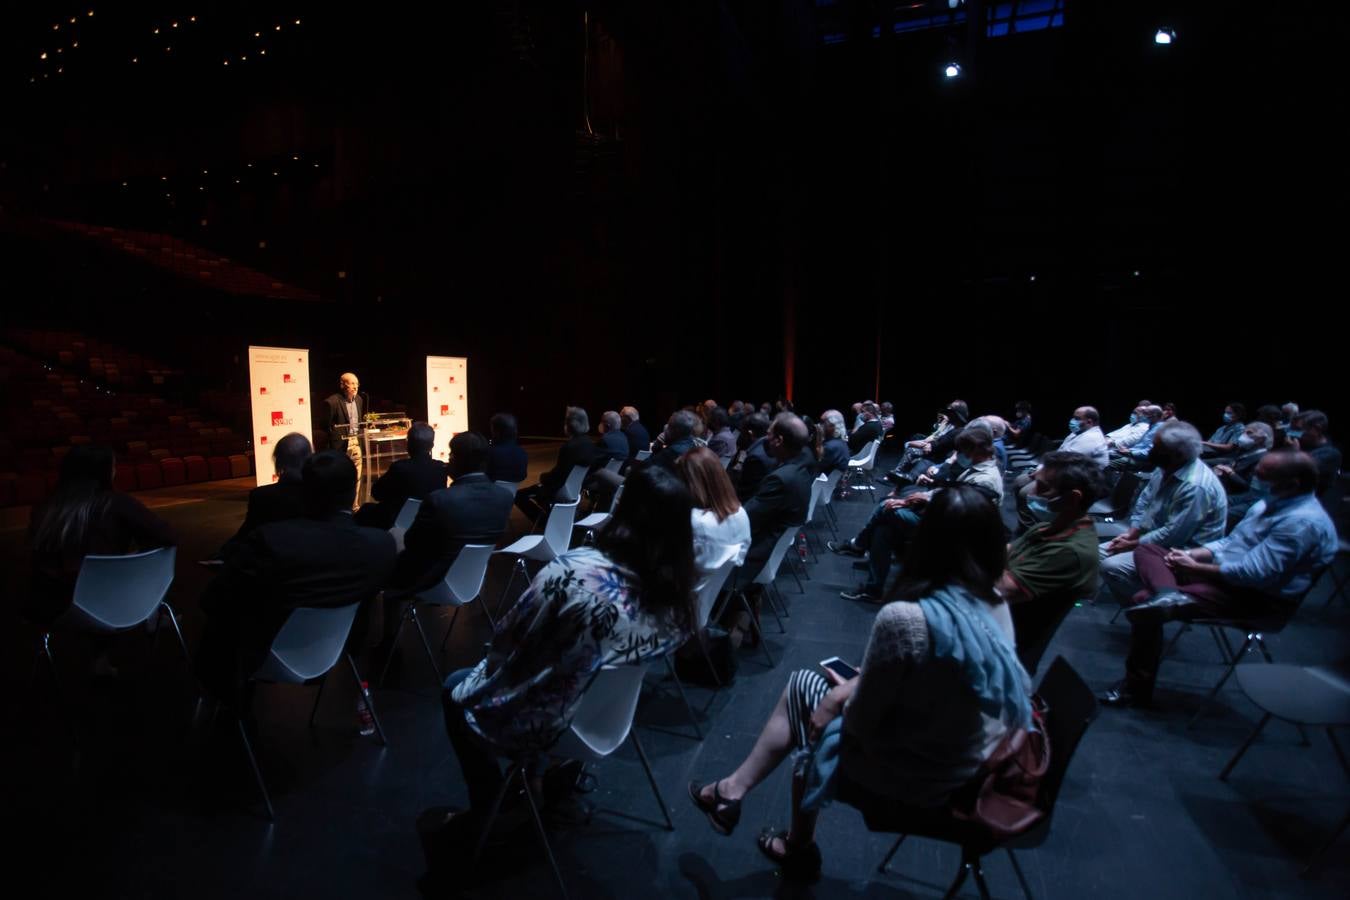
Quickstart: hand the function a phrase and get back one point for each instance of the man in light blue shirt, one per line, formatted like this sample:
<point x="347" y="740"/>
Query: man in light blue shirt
<point x="1262" y="569"/>
<point x="1182" y="504"/>
<point x="1128" y="435"/>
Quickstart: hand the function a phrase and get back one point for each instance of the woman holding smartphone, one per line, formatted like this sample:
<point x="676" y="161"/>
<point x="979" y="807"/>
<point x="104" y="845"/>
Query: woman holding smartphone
<point x="939" y="686"/>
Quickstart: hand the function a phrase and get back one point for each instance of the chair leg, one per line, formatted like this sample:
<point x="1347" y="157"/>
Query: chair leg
<point x="1221" y="640"/>
<point x="511" y="774"/>
<point x="885" y="865"/>
<point x="759" y="632"/>
<point x="454" y="617"/>
<point x="712" y="670"/>
<point x="318" y="695"/>
<point x="426" y="645"/>
<point x="651" y="779"/>
<point x="492" y="622"/>
<point x="1167" y="651"/>
<point x="1261" y="644"/>
<point x="178" y="632"/>
<point x="782" y="602"/>
<point x="960" y="879"/>
<point x="1317" y="857"/>
<point x="1214" y="691"/>
<point x="1260" y="726"/>
<point x="1120" y="609"/>
<point x="1022" y="879"/>
<point x="519" y="564"/>
<point x="543" y="837"/>
<point x="365" y="698"/>
<point x="693" y="719"/>
<point x="792" y="569"/>
<point x="393" y="645"/>
<point x="977" y="871"/>
<point x="257" y="773"/>
<point x="773" y="607"/>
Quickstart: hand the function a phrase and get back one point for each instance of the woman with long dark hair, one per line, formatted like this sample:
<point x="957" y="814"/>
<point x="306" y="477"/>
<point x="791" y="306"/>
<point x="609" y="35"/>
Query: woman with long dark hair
<point x="84" y="516"/>
<point x="627" y="599"/>
<point x="939" y="686"/>
<point x="718" y="519"/>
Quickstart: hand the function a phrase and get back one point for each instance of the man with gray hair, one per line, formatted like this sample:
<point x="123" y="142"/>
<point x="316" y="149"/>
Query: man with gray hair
<point x="578" y="451"/>
<point x="408" y="479"/>
<point x="834" y="453"/>
<point x="635" y="431"/>
<point x="613" y="442"/>
<point x="283" y="498"/>
<point x="678" y="438"/>
<point x="1182" y="504"/>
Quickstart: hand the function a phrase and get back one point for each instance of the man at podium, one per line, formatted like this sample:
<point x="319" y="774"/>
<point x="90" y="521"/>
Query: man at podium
<point x="346" y="410"/>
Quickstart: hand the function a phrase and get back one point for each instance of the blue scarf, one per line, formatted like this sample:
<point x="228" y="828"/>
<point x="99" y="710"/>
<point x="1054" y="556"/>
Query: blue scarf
<point x="961" y="628"/>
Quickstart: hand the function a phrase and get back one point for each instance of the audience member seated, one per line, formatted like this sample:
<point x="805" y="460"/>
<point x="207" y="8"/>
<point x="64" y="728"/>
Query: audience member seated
<point x="1308" y="430"/>
<point x="322" y="560"/>
<point x="939" y="685"/>
<point x="635" y="431"/>
<point x="834" y="455"/>
<point x="408" y="479"/>
<point x="1019" y="429"/>
<point x="627" y="599"/>
<point x="922" y="453"/>
<point x="1134" y="457"/>
<point x="613" y="442"/>
<point x="1181" y="504"/>
<point x="1235" y="474"/>
<point x="1085" y="437"/>
<point x="578" y="451"/>
<point x="284" y="498"/>
<point x="720" y="438"/>
<point x="1262" y="569"/>
<point x="84" y="516"/>
<point x="1169" y="412"/>
<point x="1224" y="440"/>
<point x="998" y="427"/>
<point x="782" y="498"/>
<point x="472" y="510"/>
<point x="1055" y="562"/>
<point x="506" y="459"/>
<point x="887" y="419"/>
<point x="1129" y="434"/>
<point x="676" y="439"/>
<point x="1270" y="414"/>
<point x="755" y="461"/>
<point x="868" y="431"/>
<point x="896" y="518"/>
<point x="719" y="521"/>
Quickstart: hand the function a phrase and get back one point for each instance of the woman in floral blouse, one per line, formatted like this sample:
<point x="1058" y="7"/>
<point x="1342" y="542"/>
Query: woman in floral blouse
<point x="627" y="599"/>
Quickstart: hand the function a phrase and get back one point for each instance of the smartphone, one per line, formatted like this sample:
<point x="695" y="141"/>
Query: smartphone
<point x="839" y="667"/>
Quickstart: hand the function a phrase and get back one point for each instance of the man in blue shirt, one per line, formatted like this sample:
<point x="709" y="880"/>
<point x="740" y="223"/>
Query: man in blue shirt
<point x="1263" y="568"/>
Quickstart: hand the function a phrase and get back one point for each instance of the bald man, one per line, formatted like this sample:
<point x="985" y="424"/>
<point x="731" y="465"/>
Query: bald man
<point x="347" y="407"/>
<point x="782" y="497"/>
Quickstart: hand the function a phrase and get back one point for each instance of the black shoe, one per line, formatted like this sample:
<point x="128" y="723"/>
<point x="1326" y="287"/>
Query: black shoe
<point x="898" y="478"/>
<point x="1121" y="697"/>
<point x="845" y="548"/>
<point x="1162" y="607"/>
<point x="861" y="595"/>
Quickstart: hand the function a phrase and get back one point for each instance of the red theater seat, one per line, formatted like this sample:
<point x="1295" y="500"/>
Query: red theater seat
<point x="239" y="466"/>
<point x="220" y="467"/>
<point x="124" y="477"/>
<point x="197" y="469"/>
<point x="174" y="470"/>
<point x="148" y="475"/>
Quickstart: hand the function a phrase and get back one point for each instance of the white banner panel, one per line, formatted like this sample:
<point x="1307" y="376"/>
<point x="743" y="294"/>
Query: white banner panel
<point x="279" y="383"/>
<point x="447" y="400"/>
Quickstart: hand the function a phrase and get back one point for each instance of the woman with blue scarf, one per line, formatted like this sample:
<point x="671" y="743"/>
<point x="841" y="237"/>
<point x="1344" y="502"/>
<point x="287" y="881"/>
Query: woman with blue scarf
<point x="940" y="685"/>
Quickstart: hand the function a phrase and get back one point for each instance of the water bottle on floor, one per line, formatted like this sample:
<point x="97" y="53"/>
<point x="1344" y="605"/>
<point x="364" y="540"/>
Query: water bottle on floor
<point x="363" y="711"/>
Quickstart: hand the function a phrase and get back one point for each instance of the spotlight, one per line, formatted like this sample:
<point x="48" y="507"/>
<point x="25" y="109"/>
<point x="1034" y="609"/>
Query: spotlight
<point x="1164" y="36"/>
<point x="952" y="70"/>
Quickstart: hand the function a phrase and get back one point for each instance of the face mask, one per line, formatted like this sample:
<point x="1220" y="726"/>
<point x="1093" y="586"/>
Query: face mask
<point x="1134" y="418"/>
<point x="1227" y="418"/>
<point x="1041" y="508"/>
<point x="964" y="461"/>
<point x="1294" y="434"/>
<point x="1075" y="426"/>
<point x="1246" y="441"/>
<point x="1260" y="487"/>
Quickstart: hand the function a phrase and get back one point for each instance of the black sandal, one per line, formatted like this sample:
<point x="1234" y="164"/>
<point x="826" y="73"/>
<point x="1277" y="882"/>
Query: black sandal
<point x="798" y="863"/>
<point x="723" y="814"/>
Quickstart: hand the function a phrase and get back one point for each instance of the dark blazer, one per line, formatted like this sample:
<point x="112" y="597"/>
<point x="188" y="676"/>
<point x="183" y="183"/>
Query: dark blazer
<point x="613" y="445"/>
<point x="405" y="479"/>
<point x="578" y="451"/>
<point x="279" y="567"/>
<point x="667" y="458"/>
<point x="866" y="433"/>
<point x="780" y="502"/>
<point x="473" y="510"/>
<point x="638" y="438"/>
<point x="754" y="467"/>
<point x="507" y="462"/>
<point x="337" y="415"/>
<point x="276" y="502"/>
<point x="833" y="455"/>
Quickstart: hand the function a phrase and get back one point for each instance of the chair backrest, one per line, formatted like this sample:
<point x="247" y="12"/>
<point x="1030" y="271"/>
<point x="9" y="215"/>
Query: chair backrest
<point x="572" y="487"/>
<point x="614" y="465"/>
<point x="861" y="456"/>
<point x="308" y="644"/>
<point x="816" y="487"/>
<point x="827" y="494"/>
<point x="463" y="580"/>
<point x="643" y="455"/>
<point x="605" y="714"/>
<point x="713" y="583"/>
<point x="872" y="449"/>
<point x="1035" y="624"/>
<point x="770" y="571"/>
<point x="407" y="514"/>
<point x="113" y="593"/>
<point x="1072" y="707"/>
<point x="558" y="530"/>
<point x="507" y="486"/>
<point x="614" y="501"/>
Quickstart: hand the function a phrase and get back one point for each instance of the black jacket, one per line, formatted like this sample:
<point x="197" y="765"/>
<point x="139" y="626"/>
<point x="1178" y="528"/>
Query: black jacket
<point x="406" y="479"/>
<point x="507" y="462"/>
<point x="866" y="433"/>
<point x="473" y="510"/>
<point x="337" y="415"/>
<point x="780" y="502"/>
<point x="638" y="438"/>
<point x="578" y="451"/>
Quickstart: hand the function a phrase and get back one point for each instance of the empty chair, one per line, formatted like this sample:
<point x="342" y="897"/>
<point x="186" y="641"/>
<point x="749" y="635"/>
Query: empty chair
<point x="827" y="501"/>
<point x="544" y="547"/>
<point x="860" y="468"/>
<point x="596" y="519"/>
<point x="404" y="520"/>
<point x="571" y="490"/>
<point x="307" y="648"/>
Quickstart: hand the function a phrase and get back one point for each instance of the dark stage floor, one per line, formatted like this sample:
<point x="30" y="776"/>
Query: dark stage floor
<point x="153" y="810"/>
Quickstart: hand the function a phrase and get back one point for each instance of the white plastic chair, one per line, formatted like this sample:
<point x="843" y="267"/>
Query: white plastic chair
<point x="643" y="455"/>
<point x="307" y="647"/>
<point x="462" y="584"/>
<point x="614" y="465"/>
<point x="827" y="499"/>
<point x="862" y="465"/>
<point x="602" y="723"/>
<point x="115" y="594"/>
<point x="596" y="519"/>
<point x="404" y="521"/>
<point x="571" y="489"/>
<point x="509" y="486"/>
<point x="765" y="578"/>
<point x="543" y="548"/>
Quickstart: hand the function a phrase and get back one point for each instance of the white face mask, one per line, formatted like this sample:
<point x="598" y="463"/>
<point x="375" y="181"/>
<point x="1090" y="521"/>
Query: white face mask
<point x="1246" y="441"/>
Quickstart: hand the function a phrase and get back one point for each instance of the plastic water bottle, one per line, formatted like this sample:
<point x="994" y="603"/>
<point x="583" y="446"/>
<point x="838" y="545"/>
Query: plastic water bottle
<point x="363" y="711"/>
<point x="801" y="545"/>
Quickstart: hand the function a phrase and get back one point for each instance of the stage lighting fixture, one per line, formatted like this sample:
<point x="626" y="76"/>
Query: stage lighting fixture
<point x="952" y="70"/>
<point x="1164" y="36"/>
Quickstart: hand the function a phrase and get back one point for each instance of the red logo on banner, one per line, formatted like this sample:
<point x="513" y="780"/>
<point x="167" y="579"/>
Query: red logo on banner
<point x="445" y="410"/>
<point x="279" y="418"/>
<point x="286" y="379"/>
<point x="262" y="390"/>
<point x="299" y="359"/>
<point x="461" y="396"/>
<point x="302" y="401"/>
<point x="263" y="439"/>
<point x="435" y="388"/>
<point x="276" y="477"/>
<point x="452" y="379"/>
